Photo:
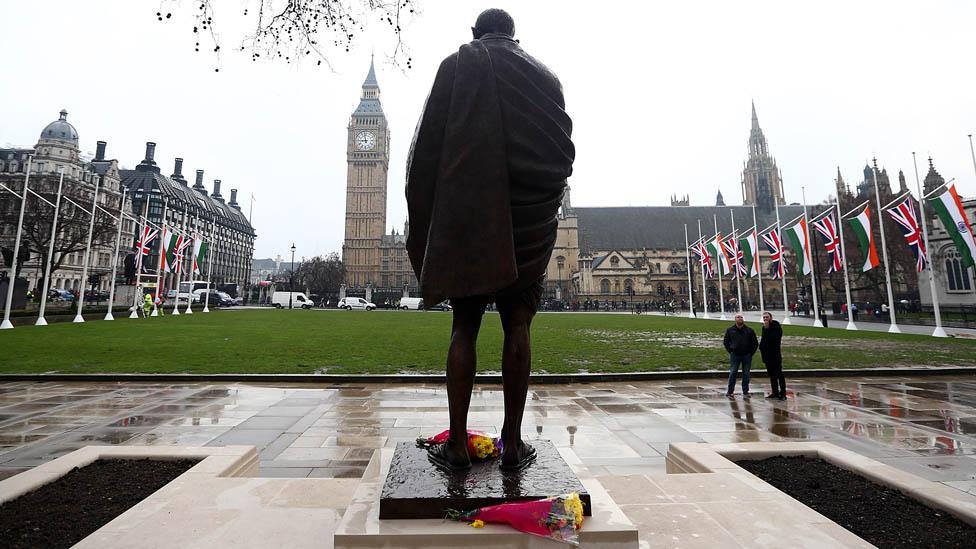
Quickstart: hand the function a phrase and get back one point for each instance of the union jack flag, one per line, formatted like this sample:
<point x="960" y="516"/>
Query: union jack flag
<point x="775" y="246"/>
<point x="904" y="214"/>
<point x="182" y="243"/>
<point x="703" y="258"/>
<point x="735" y="255"/>
<point x="831" y="237"/>
<point x="144" y="245"/>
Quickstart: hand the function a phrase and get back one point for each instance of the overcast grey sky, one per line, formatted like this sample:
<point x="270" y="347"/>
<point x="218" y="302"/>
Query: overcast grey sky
<point x="659" y="93"/>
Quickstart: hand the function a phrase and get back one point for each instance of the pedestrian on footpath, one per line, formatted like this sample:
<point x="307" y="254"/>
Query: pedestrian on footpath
<point x="741" y="343"/>
<point x="772" y="356"/>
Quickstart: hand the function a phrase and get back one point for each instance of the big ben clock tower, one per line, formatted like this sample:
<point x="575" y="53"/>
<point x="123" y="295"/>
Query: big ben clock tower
<point x="367" y="159"/>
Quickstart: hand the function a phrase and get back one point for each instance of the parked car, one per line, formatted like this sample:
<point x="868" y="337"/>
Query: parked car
<point x="60" y="294"/>
<point x="442" y="306"/>
<point x="280" y="300"/>
<point x="411" y="303"/>
<point x="358" y="303"/>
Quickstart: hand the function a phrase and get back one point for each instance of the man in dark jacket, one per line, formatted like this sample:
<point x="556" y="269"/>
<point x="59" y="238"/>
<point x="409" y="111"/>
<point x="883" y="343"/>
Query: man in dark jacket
<point x="485" y="178"/>
<point x="740" y="342"/>
<point x="772" y="357"/>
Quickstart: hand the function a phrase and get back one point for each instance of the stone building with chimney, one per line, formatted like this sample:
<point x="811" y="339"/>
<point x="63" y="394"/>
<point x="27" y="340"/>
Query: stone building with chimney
<point x="193" y="210"/>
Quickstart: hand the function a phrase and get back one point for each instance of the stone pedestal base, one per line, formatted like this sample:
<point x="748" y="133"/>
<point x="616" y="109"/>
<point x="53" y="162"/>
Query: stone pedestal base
<point x="361" y="527"/>
<point x="414" y="488"/>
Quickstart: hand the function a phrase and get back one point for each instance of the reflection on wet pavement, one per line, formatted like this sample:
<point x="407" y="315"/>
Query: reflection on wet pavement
<point x="925" y="425"/>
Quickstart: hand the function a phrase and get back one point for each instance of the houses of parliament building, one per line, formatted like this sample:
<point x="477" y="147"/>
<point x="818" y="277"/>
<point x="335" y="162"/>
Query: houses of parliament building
<point x="600" y="253"/>
<point x="376" y="262"/>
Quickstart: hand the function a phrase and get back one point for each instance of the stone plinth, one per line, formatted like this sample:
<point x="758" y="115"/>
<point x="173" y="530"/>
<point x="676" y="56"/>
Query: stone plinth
<point x="361" y="526"/>
<point x="414" y="488"/>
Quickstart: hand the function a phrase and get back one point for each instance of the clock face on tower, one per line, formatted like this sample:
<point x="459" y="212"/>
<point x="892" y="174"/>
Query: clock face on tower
<point x="365" y="141"/>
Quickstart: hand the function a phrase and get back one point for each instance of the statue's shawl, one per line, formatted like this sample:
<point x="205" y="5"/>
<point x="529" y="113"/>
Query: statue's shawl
<point x="494" y="138"/>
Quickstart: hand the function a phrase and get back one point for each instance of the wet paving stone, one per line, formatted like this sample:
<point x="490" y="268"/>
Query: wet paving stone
<point x="332" y="430"/>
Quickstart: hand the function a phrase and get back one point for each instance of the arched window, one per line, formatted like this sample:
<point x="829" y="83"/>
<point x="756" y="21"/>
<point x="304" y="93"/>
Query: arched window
<point x="957" y="273"/>
<point x="628" y="286"/>
<point x="614" y="261"/>
<point x="604" y="286"/>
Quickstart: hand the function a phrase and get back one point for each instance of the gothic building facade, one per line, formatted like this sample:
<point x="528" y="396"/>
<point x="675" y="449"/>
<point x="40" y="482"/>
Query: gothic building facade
<point x="376" y="262"/>
<point x="762" y="182"/>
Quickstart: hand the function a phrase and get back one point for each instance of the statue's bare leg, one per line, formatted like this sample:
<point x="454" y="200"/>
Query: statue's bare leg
<point x="516" y="317"/>
<point x="461" y="365"/>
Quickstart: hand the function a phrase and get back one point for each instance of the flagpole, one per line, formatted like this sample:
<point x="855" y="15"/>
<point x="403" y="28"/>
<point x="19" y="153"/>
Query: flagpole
<point x="813" y="277"/>
<point x="210" y="252"/>
<point x="939" y="330"/>
<point x="736" y="272"/>
<point x="893" y="329"/>
<point x="142" y="245"/>
<point x="84" y="268"/>
<point x="691" y="291"/>
<point x="847" y="281"/>
<point x="189" y="294"/>
<point x="178" y="263"/>
<point x="755" y="228"/>
<point x="704" y="277"/>
<point x="162" y="258"/>
<point x="115" y="259"/>
<point x="721" y="293"/>
<point x="50" y="255"/>
<point x="972" y="151"/>
<point x="12" y="279"/>
<point x="782" y="267"/>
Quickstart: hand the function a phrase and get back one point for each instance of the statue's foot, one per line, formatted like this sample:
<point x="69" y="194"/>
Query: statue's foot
<point x="447" y="458"/>
<point x="517" y="457"/>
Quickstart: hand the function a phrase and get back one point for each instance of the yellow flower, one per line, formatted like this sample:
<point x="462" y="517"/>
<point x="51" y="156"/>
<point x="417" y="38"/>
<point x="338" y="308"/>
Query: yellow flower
<point x="478" y="524"/>
<point x="574" y="506"/>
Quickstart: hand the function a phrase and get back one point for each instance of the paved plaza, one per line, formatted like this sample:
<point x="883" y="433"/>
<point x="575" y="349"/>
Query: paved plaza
<point x="923" y="425"/>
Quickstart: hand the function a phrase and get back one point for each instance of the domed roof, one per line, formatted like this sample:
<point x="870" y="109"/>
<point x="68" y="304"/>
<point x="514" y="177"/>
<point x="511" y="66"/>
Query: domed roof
<point x="61" y="130"/>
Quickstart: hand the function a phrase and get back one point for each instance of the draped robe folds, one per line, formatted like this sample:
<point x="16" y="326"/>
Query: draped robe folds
<point x="486" y="173"/>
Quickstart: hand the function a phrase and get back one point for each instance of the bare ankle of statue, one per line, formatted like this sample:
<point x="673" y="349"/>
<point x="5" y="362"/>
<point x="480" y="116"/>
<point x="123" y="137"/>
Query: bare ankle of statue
<point x="461" y="365"/>
<point x="516" y="365"/>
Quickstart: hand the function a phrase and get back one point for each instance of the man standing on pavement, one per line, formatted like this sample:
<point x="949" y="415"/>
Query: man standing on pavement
<point x="772" y="357"/>
<point x="741" y="343"/>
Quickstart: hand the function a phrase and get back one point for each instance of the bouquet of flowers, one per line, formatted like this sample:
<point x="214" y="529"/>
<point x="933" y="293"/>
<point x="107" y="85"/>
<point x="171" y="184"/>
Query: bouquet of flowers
<point x="558" y="518"/>
<point x="480" y="445"/>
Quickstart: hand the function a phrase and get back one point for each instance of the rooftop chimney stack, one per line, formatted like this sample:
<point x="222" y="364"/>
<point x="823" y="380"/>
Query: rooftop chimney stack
<point x="198" y="185"/>
<point x="216" y="191"/>
<point x="178" y="172"/>
<point x="99" y="150"/>
<point x="150" y="151"/>
<point x="233" y="199"/>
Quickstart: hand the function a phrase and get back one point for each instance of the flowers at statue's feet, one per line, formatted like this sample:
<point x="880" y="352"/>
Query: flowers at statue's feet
<point x="558" y="518"/>
<point x="480" y="445"/>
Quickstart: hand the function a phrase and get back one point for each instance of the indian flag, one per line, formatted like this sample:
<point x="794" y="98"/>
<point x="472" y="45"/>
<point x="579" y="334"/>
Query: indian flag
<point x="199" y="252"/>
<point x="799" y="239"/>
<point x="714" y="248"/>
<point x="163" y="251"/>
<point x="749" y="246"/>
<point x="172" y="246"/>
<point x="949" y="209"/>
<point x="861" y="224"/>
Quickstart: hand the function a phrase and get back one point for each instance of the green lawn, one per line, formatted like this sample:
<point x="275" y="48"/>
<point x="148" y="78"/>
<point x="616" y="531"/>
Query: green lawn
<point x="342" y="342"/>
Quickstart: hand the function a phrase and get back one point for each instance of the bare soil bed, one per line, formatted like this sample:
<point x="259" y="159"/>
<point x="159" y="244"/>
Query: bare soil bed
<point x="63" y="512"/>
<point x="879" y="515"/>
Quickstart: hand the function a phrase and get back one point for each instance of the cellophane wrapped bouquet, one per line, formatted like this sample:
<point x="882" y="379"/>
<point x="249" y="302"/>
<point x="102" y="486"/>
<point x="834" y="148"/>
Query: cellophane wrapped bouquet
<point x="480" y="445"/>
<point x="558" y="518"/>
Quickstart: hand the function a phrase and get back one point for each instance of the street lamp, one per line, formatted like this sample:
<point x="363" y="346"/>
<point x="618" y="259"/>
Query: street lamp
<point x="291" y="283"/>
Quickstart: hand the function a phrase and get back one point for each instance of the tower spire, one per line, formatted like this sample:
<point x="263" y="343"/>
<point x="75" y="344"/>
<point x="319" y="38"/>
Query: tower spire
<point x="371" y="75"/>
<point x="755" y="119"/>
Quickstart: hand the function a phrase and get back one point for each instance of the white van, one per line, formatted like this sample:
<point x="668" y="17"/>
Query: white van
<point x="358" y="303"/>
<point x="411" y="303"/>
<point x="280" y="300"/>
